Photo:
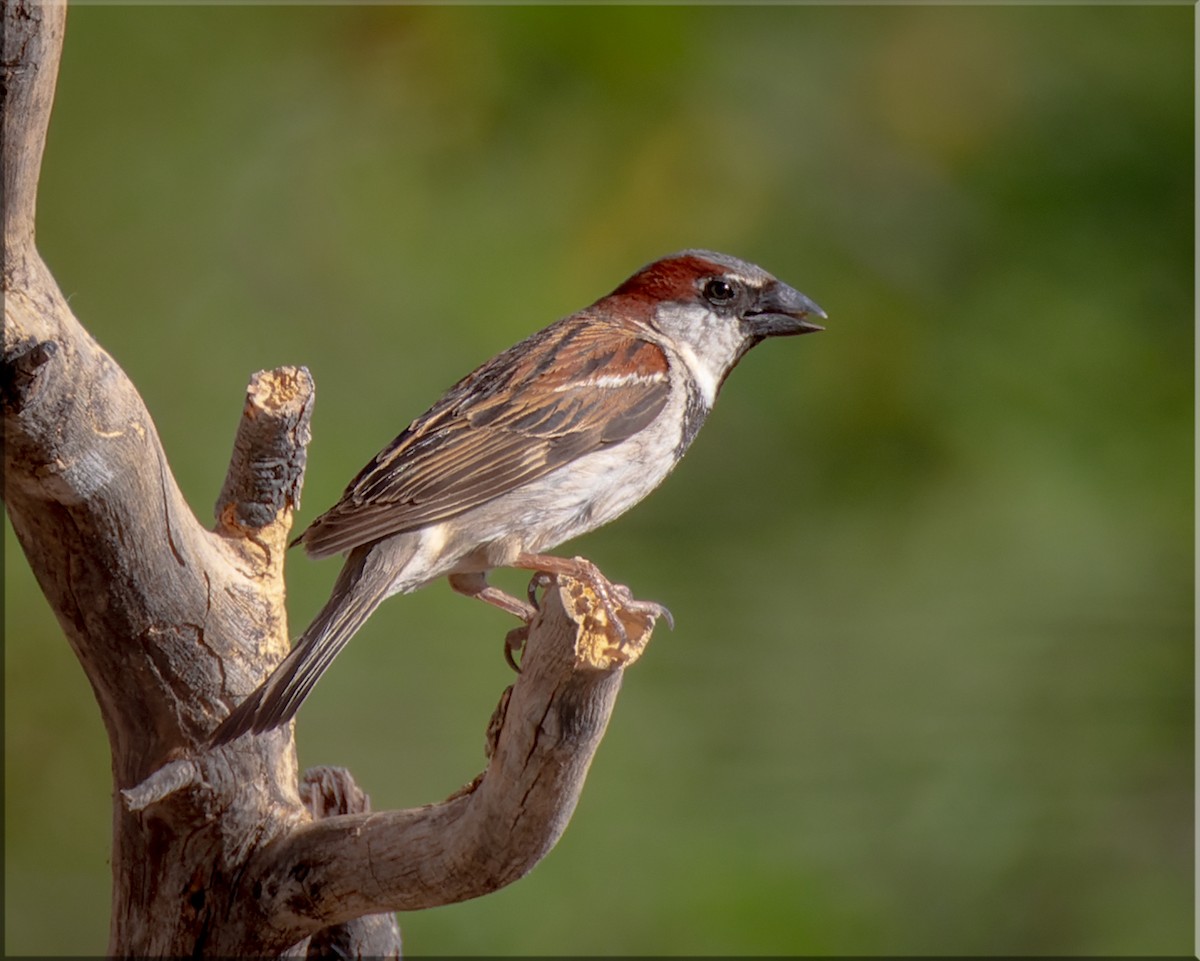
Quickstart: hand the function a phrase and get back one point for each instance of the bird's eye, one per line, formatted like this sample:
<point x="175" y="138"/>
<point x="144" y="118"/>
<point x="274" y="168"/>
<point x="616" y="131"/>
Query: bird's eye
<point x="719" y="292"/>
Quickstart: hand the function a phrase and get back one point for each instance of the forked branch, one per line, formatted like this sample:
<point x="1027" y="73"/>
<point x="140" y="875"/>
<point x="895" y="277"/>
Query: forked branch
<point x="214" y="853"/>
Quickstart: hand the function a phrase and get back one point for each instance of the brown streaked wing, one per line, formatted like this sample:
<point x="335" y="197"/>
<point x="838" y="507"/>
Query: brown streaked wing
<point x="575" y="387"/>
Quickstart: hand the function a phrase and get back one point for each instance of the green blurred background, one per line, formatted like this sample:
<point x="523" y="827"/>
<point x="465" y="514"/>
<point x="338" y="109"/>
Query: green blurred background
<point x="931" y="685"/>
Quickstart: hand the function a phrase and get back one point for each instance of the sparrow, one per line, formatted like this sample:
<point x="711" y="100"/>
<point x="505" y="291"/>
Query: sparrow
<point x="550" y="439"/>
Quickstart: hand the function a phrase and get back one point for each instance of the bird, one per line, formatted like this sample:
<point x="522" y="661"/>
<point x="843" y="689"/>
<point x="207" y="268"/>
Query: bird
<point x="550" y="439"/>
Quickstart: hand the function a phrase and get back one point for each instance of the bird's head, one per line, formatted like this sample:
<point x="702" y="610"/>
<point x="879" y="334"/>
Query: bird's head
<point x="712" y="308"/>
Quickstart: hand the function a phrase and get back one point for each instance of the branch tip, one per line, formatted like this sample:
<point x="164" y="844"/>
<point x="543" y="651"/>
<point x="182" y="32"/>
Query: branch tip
<point x="167" y="780"/>
<point x="266" y="470"/>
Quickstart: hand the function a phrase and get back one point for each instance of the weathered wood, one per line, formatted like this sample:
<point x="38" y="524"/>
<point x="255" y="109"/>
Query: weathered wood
<point x="32" y="47"/>
<point x="495" y="829"/>
<point x="329" y="791"/>
<point x="214" y="852"/>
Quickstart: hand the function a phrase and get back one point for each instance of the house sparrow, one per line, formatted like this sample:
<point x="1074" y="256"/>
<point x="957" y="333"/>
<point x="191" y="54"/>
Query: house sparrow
<point x="548" y="440"/>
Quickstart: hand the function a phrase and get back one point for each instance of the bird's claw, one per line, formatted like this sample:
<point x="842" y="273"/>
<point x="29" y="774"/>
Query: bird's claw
<point x="540" y="579"/>
<point x="514" y="640"/>
<point x="649" y="608"/>
<point x="514" y="644"/>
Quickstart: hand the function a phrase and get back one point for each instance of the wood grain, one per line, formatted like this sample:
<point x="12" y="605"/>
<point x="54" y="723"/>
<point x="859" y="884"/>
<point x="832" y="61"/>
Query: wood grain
<point x="215" y="853"/>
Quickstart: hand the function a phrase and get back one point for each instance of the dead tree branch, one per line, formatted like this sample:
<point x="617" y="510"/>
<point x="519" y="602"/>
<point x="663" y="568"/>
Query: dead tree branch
<point x="214" y="853"/>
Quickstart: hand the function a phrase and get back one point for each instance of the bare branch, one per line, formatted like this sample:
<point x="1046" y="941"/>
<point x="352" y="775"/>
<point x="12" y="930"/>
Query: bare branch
<point x="33" y="35"/>
<point x="493" y="831"/>
<point x="213" y="851"/>
<point x="267" y="468"/>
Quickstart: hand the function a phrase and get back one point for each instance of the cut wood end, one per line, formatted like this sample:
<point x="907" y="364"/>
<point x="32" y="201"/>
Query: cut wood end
<point x="274" y="391"/>
<point x="598" y="645"/>
<point x="266" y="471"/>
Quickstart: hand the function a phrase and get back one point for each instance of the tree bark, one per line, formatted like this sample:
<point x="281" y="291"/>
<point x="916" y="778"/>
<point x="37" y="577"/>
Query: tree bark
<point x="215" y="852"/>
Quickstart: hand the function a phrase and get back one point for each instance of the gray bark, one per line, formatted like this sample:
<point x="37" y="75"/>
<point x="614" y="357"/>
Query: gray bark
<point x="215" y="852"/>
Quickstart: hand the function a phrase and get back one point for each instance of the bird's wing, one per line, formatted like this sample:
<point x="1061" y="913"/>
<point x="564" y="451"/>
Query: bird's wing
<point x="576" y="386"/>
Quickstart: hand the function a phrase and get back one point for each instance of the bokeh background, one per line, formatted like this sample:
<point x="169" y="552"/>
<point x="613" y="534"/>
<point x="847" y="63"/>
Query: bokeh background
<point x="931" y="685"/>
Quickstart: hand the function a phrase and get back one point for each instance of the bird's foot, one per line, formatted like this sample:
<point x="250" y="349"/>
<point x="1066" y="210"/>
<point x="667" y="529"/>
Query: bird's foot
<point x="613" y="598"/>
<point x="476" y="585"/>
<point x="514" y="644"/>
<point x="649" y="608"/>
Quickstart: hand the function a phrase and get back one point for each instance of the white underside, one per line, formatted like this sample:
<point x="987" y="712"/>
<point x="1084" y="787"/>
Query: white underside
<point x="539" y="516"/>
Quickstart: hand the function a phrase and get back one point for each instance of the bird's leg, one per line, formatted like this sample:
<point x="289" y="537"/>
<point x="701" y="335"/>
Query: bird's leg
<point x="475" y="584"/>
<point x="612" y="596"/>
<point x="514" y="640"/>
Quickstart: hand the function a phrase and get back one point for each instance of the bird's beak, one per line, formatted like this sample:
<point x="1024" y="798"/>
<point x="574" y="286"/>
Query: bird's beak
<point x="782" y="311"/>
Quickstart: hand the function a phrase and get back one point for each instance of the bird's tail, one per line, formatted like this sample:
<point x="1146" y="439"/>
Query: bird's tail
<point x="362" y="585"/>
